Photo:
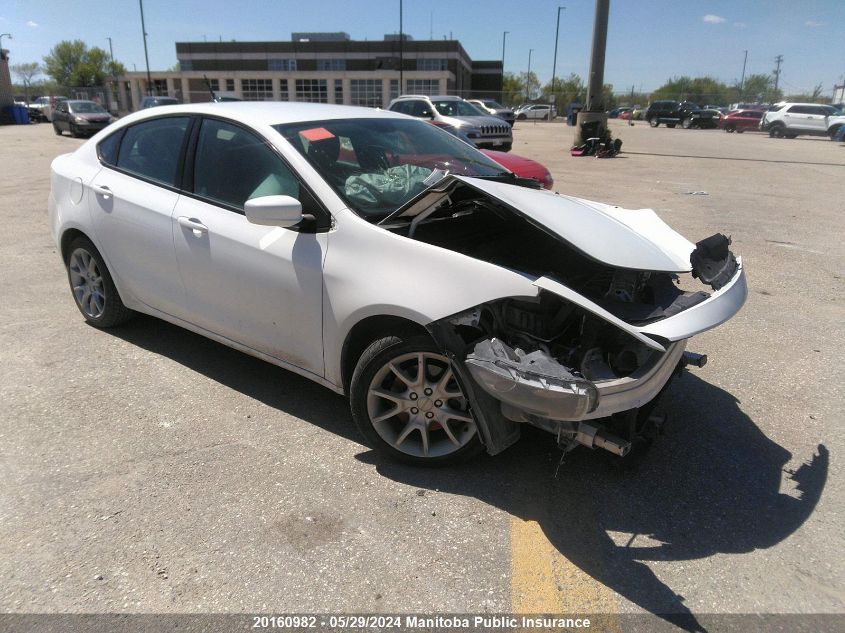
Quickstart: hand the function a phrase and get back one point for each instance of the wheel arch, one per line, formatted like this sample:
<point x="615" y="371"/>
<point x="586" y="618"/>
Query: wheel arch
<point x="365" y="332"/>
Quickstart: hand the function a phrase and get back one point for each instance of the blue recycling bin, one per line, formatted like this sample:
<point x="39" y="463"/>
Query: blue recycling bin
<point x="17" y="113"/>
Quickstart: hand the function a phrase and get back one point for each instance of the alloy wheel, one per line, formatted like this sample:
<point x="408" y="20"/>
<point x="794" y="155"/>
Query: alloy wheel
<point x="86" y="281"/>
<point x="416" y="405"/>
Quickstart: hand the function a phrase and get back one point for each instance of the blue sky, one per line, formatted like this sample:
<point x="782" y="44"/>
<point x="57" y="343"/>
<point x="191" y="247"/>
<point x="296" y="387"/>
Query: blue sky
<point x="649" y="41"/>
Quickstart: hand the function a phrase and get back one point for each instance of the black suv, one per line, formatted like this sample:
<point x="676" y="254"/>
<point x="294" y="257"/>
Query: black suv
<point x="685" y="113"/>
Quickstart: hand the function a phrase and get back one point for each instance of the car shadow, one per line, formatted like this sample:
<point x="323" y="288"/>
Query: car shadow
<point x="713" y="484"/>
<point x="271" y="385"/>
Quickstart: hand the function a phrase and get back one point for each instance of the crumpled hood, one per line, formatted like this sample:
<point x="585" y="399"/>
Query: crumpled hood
<point x="624" y="238"/>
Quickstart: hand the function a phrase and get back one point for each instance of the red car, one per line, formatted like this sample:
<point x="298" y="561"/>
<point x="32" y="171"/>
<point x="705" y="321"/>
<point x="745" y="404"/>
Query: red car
<point x="740" y="120"/>
<point x="521" y="166"/>
<point x="625" y="116"/>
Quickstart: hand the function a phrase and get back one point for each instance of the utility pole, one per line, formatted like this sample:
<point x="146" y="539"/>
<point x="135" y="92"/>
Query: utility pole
<point x="742" y="81"/>
<point x="113" y="76"/>
<point x="504" y="35"/>
<point x="779" y="61"/>
<point x="528" y="77"/>
<point x="554" y="62"/>
<point x="593" y="116"/>
<point x="146" y="55"/>
<point x="401" y="53"/>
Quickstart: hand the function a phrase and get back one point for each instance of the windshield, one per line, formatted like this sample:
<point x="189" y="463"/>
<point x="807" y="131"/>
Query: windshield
<point x="87" y="107"/>
<point x="377" y="165"/>
<point x="453" y="107"/>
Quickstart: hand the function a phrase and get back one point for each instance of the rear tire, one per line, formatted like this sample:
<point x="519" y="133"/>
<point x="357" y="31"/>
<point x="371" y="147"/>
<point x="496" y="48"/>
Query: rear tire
<point x="92" y="287"/>
<point x="686" y="123"/>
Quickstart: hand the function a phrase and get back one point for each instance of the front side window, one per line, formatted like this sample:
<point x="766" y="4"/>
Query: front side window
<point x="377" y="165"/>
<point x="233" y="165"/>
<point x="151" y="149"/>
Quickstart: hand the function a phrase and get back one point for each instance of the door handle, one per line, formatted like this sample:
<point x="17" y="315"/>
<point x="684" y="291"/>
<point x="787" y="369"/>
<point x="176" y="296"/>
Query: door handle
<point x="192" y="223"/>
<point x="102" y="190"/>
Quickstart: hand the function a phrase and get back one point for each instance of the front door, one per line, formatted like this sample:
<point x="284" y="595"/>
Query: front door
<point x="260" y="286"/>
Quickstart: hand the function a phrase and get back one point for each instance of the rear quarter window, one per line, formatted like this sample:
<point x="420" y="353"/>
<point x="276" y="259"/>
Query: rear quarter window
<point x="107" y="148"/>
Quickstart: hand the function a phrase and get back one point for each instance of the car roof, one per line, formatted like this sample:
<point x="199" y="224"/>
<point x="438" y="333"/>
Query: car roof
<point x="269" y="112"/>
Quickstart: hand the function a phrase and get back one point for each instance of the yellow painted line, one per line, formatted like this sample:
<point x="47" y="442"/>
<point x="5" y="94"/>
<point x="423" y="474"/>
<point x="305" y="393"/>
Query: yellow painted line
<point x="544" y="581"/>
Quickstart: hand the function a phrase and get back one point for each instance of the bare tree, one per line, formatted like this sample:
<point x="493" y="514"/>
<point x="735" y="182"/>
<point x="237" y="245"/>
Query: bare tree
<point x="25" y="72"/>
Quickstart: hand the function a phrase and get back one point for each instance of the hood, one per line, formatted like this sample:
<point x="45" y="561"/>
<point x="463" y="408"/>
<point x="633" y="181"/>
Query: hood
<point x="625" y="238"/>
<point x="94" y="116"/>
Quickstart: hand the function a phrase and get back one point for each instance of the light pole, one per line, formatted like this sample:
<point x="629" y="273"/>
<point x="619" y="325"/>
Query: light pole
<point x="528" y="77"/>
<point x="146" y="56"/>
<point x="554" y="62"/>
<point x="2" y="35"/>
<point x="742" y="81"/>
<point x="593" y="116"/>
<point x="113" y="77"/>
<point x="504" y="35"/>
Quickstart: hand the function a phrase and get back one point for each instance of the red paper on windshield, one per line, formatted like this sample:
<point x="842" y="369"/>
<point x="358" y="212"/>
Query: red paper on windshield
<point x="316" y="134"/>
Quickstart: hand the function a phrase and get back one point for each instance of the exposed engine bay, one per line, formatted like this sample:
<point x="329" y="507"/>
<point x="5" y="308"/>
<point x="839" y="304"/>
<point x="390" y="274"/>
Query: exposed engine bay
<point x="546" y="360"/>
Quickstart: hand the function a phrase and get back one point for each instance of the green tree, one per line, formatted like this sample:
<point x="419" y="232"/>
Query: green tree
<point x="25" y="73"/>
<point x="701" y="90"/>
<point x="513" y="89"/>
<point x="760" y="87"/>
<point x="72" y="63"/>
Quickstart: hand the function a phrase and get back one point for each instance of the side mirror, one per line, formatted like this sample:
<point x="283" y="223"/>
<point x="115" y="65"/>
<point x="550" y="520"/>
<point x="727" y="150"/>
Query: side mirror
<point x="283" y="211"/>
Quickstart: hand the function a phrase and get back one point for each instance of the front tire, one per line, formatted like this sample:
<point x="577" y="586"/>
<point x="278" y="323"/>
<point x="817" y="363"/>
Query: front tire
<point x="57" y="130"/>
<point x="686" y="123"/>
<point x="776" y="131"/>
<point x="406" y="401"/>
<point x="92" y="287"/>
<point x="653" y="122"/>
<point x="521" y="117"/>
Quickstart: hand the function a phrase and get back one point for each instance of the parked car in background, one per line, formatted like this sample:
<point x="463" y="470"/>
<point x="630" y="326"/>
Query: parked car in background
<point x="80" y="118"/>
<point x="495" y="108"/>
<point x="519" y="165"/>
<point x="617" y="113"/>
<point x="684" y="113"/>
<point x="42" y="108"/>
<point x="152" y="102"/>
<point x="536" y="111"/>
<point x="452" y="305"/>
<point x="484" y="130"/>
<point x="625" y="116"/>
<point x="637" y="113"/>
<point x="788" y="120"/>
<point x="741" y="120"/>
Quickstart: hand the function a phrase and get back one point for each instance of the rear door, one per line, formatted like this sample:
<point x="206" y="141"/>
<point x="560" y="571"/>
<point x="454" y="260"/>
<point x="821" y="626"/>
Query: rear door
<point x="132" y="200"/>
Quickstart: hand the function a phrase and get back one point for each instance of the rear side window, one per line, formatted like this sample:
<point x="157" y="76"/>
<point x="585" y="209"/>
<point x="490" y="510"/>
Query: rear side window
<point x="151" y="149"/>
<point x="799" y="110"/>
<point x="233" y="165"/>
<point x="107" y="148"/>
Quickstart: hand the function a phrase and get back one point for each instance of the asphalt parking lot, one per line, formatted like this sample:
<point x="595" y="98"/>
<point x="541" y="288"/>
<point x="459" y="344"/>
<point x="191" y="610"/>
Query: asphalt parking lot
<point x="147" y="469"/>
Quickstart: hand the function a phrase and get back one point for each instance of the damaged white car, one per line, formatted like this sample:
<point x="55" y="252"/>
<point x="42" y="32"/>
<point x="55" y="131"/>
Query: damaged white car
<point x="387" y="260"/>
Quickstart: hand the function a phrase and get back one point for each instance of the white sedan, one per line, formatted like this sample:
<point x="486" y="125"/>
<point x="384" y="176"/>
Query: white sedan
<point x="451" y="301"/>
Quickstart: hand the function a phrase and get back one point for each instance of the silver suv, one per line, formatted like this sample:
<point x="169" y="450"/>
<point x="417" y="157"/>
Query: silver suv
<point x="791" y="119"/>
<point x="481" y="128"/>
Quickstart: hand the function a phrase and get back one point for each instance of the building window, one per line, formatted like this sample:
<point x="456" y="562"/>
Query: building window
<point x="257" y="89"/>
<point x="428" y="87"/>
<point x="314" y="90"/>
<point x="338" y="91"/>
<point x="186" y="64"/>
<point x="331" y="64"/>
<point x="159" y="87"/>
<point x="230" y="85"/>
<point x="367" y="92"/>
<point x="283" y="89"/>
<point x="214" y="84"/>
<point x="432" y="64"/>
<point x="281" y="64"/>
<point x="394" y="88"/>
